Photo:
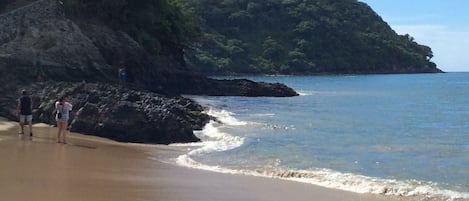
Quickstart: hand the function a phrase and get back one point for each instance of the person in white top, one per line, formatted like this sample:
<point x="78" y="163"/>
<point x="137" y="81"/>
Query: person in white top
<point x="63" y="109"/>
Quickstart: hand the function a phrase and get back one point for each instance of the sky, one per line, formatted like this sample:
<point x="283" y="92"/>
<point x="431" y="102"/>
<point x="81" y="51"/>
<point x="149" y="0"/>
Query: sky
<point x="439" y="24"/>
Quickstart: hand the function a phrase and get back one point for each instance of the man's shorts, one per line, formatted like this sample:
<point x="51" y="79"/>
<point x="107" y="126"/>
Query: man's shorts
<point x="27" y="118"/>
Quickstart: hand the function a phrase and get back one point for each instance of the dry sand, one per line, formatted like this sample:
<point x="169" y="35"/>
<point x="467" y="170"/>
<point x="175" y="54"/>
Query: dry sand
<point x="95" y="169"/>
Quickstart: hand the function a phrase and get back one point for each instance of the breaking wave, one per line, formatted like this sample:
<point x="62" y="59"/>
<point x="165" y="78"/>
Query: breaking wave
<point x="216" y="141"/>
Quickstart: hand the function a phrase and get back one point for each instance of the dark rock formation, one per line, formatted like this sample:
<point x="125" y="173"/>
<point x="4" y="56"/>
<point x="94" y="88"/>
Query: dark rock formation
<point x="84" y="51"/>
<point x="120" y="113"/>
<point x="236" y="87"/>
<point x="65" y="52"/>
<point x="166" y="74"/>
<point x="148" y="110"/>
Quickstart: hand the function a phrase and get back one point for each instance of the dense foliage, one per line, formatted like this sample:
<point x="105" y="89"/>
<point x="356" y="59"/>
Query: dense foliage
<point x="301" y="36"/>
<point x="152" y="23"/>
<point x="268" y="36"/>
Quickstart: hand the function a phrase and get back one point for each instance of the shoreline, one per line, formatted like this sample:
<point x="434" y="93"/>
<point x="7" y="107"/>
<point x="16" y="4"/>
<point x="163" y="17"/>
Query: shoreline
<point x="93" y="168"/>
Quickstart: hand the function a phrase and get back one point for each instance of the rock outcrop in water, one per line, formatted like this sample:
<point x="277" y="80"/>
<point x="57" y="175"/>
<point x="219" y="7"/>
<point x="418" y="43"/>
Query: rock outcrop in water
<point x="124" y="114"/>
<point x="78" y="58"/>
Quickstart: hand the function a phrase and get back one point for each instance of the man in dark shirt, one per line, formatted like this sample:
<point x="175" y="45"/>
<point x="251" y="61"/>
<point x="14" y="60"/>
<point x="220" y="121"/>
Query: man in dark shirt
<point x="24" y="112"/>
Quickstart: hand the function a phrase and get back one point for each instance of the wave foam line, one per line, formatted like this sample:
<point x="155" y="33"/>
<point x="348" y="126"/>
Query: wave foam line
<point x="364" y="184"/>
<point x="305" y="92"/>
<point x="342" y="181"/>
<point x="225" y="117"/>
<point x="217" y="141"/>
<point x="213" y="140"/>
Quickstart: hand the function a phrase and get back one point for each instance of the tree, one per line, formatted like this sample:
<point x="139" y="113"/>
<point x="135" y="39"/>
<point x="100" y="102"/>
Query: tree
<point x="307" y="36"/>
<point x="272" y="49"/>
<point x="152" y="23"/>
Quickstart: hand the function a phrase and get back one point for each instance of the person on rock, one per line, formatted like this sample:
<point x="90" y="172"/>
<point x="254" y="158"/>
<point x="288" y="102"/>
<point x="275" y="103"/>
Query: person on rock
<point x="40" y="74"/>
<point x="122" y="74"/>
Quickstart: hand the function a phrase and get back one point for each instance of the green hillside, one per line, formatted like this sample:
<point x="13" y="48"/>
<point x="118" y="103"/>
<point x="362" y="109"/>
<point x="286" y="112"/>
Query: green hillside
<point x="155" y="24"/>
<point x="301" y="36"/>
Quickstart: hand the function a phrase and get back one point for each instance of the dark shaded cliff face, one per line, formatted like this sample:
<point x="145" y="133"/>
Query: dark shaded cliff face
<point x="166" y="73"/>
<point x="84" y="50"/>
<point x="64" y="51"/>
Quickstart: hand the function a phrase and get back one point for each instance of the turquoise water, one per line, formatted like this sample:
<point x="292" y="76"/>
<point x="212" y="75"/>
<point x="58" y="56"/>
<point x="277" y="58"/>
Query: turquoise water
<point x="387" y="134"/>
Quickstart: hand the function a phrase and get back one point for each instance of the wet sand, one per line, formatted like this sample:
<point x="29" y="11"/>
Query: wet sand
<point x="94" y="169"/>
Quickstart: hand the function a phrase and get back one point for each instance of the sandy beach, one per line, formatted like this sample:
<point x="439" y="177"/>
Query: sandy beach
<point x="94" y="169"/>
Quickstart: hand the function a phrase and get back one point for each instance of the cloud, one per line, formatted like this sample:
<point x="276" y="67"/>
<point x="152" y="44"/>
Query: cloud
<point x="450" y="47"/>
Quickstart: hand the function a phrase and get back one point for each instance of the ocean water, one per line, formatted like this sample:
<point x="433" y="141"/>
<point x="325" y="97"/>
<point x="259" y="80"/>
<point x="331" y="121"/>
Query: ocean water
<point x="405" y="135"/>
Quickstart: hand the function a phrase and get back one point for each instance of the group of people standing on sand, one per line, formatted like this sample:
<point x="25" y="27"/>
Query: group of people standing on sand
<point x="62" y="110"/>
<point x="62" y="115"/>
<point x="24" y="108"/>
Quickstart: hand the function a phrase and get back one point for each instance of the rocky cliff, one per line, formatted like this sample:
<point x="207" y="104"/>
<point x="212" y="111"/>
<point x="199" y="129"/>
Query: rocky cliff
<point x="81" y="59"/>
<point x="66" y="52"/>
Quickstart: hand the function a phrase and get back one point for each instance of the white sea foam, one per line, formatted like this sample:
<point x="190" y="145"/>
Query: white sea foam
<point x="278" y="127"/>
<point x="343" y="181"/>
<point x="325" y="93"/>
<point x="216" y="141"/>
<point x="364" y="184"/>
<point x="305" y="93"/>
<point x="225" y="117"/>
<point x="263" y="115"/>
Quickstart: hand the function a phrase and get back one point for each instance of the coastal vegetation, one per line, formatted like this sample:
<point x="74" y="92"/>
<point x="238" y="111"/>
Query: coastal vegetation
<point x="301" y="36"/>
<point x="152" y="23"/>
<point x="271" y="36"/>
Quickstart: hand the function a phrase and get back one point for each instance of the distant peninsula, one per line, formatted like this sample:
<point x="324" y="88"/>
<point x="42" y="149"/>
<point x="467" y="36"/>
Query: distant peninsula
<point x="301" y="37"/>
